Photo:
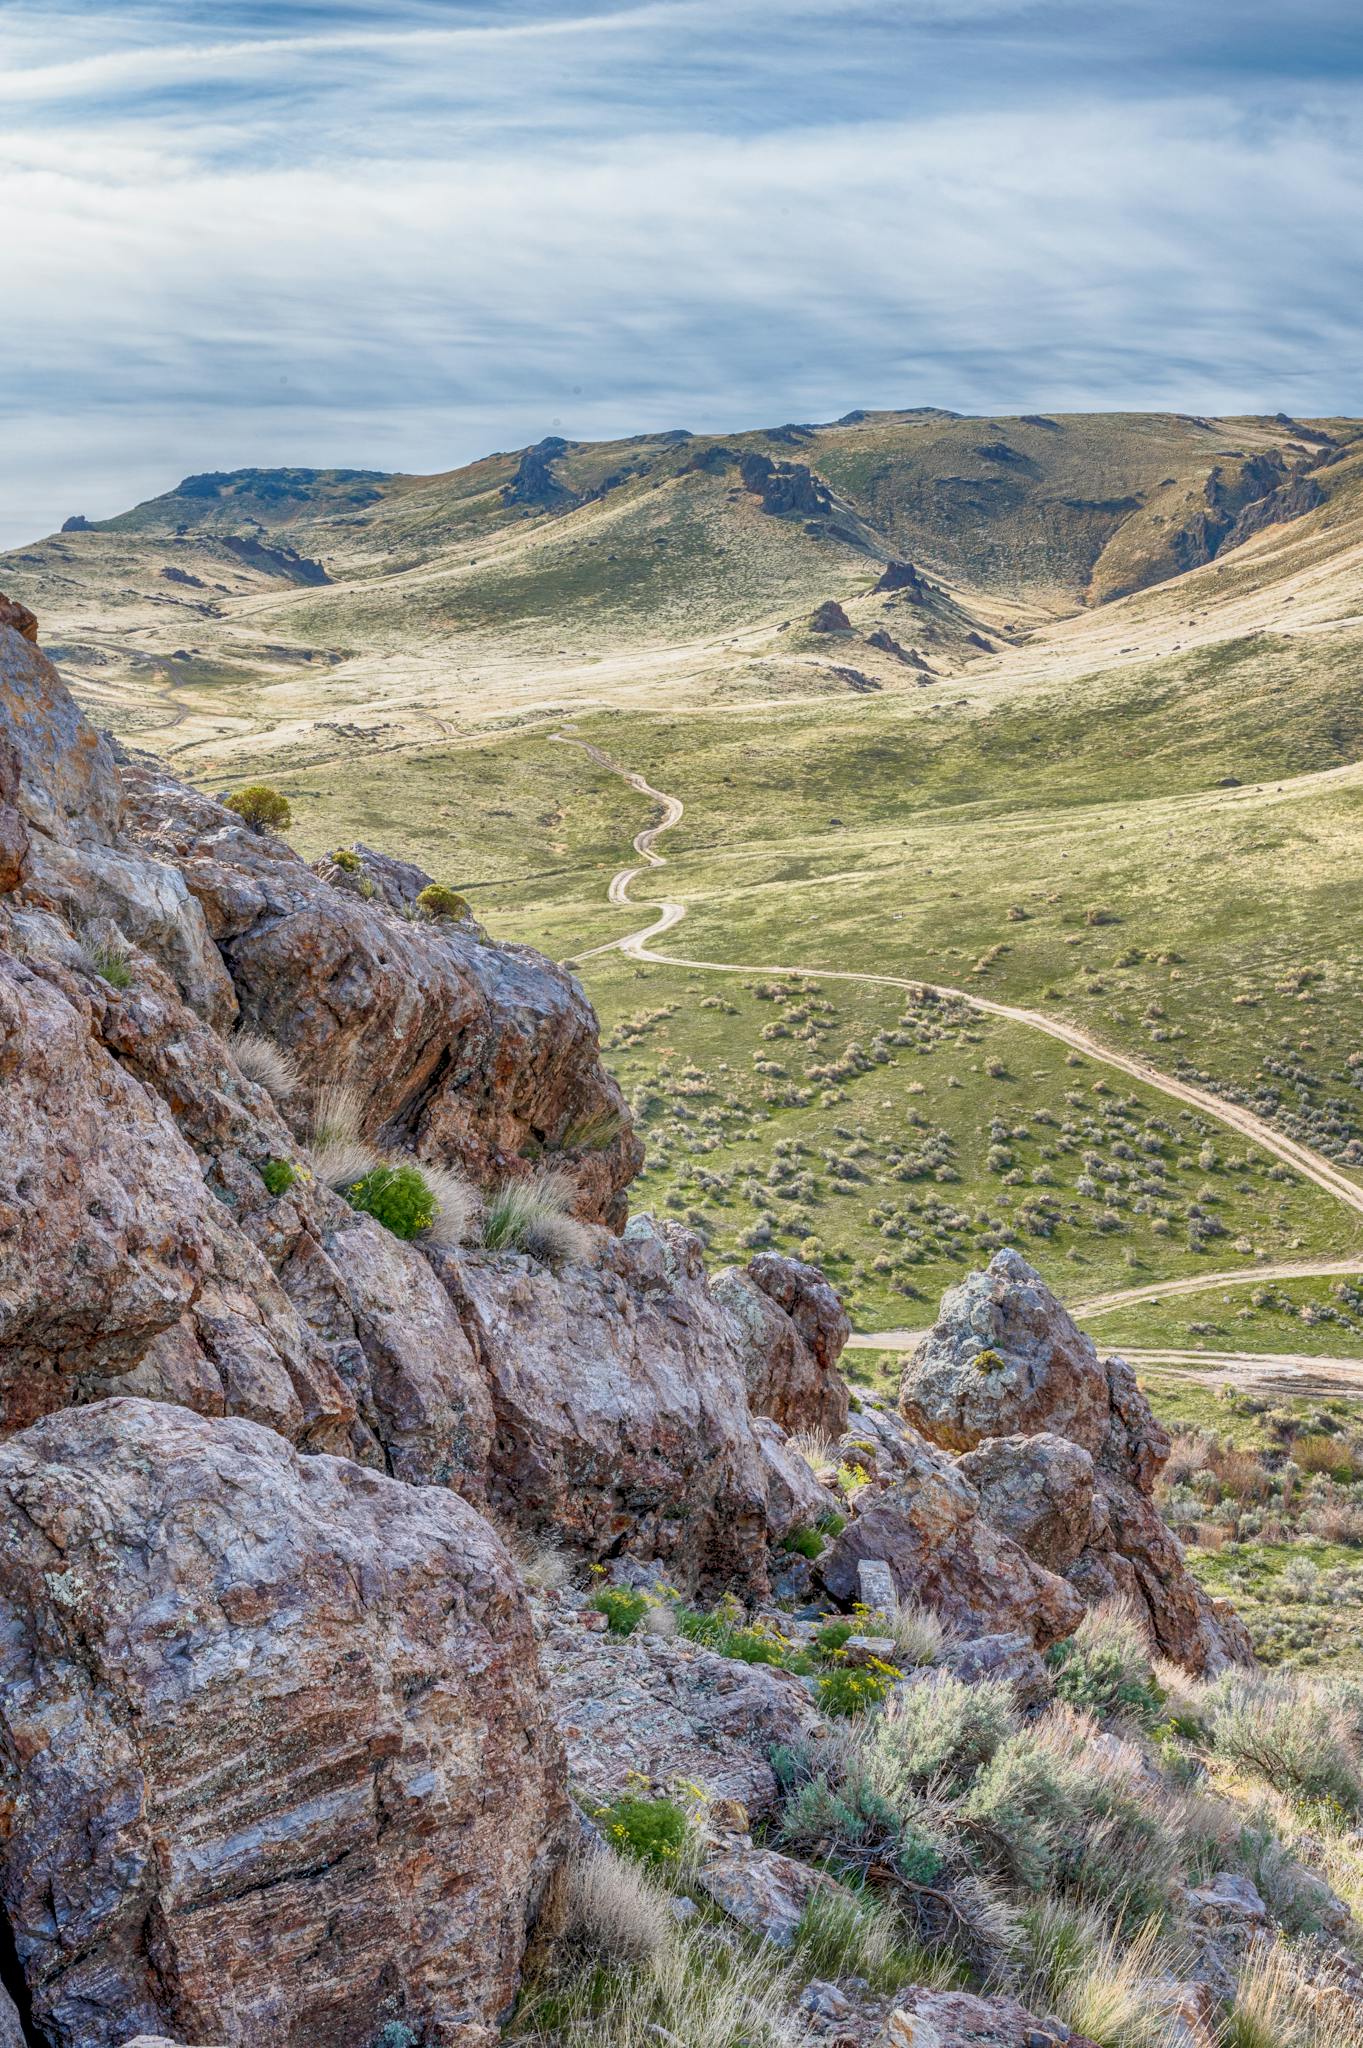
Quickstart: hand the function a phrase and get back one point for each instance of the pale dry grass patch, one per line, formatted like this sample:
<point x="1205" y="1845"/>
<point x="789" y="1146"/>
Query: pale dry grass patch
<point x="535" y="1216"/>
<point x="266" y="1063"/>
<point x="457" y="1204"/>
<point x="616" y="1911"/>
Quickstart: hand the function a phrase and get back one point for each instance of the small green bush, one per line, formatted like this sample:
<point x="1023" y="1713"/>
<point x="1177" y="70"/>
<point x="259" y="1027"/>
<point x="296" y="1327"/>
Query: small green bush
<point x="654" y="1830"/>
<point x="398" y="1197"/>
<point x="111" y="965"/>
<point x="261" y="807"/>
<point x="439" y="902"/>
<point x="855" y="1689"/>
<point x="278" y="1175"/>
<point x="945" y="1729"/>
<point x="345" y="858"/>
<point x="1105" y="1667"/>
<point x="623" y="1608"/>
<point x="804" y="1543"/>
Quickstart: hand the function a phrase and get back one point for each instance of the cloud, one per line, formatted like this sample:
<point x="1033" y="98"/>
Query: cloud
<point x="400" y="241"/>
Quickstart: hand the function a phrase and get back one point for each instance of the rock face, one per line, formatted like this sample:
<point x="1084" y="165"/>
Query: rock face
<point x="794" y="1330"/>
<point x="1004" y="1360"/>
<point x="276" y="1741"/>
<point x="13" y="831"/>
<point x="925" y="1522"/>
<point x="18" y="617"/>
<point x="619" y="1398"/>
<point x="787" y="489"/>
<point x="468" y="1052"/>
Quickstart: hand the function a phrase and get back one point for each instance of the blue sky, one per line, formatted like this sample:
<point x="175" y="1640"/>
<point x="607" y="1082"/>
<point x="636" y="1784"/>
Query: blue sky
<point x="399" y="236"/>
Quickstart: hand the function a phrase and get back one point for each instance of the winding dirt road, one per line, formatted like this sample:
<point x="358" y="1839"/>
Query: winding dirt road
<point x="1321" y="1172"/>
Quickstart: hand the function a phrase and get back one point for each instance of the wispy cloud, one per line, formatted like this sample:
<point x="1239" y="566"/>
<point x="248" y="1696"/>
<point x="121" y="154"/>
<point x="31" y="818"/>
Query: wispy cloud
<point x="399" y="237"/>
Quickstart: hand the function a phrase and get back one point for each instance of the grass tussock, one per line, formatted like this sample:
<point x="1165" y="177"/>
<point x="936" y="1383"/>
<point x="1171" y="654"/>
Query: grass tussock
<point x="267" y="1064"/>
<point x="535" y="1216"/>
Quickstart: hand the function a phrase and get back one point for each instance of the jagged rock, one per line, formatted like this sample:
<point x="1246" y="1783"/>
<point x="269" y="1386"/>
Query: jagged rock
<point x="1010" y="1657"/>
<point x="18" y="618"/>
<point x="795" y="1499"/>
<point x="77" y="523"/>
<point x="1004" y="1359"/>
<point x="903" y="576"/>
<point x="666" y="1711"/>
<point x="957" y="2019"/>
<point x="377" y="877"/>
<point x="13" y="831"/>
<point x="1038" y="1490"/>
<point x="534" y="482"/>
<point x="794" y="1329"/>
<point x="106" y="1228"/>
<point x="787" y="489"/>
<point x="472" y="1052"/>
<point x="276" y="1741"/>
<point x="11" y="2026"/>
<point x="620" y="1400"/>
<point x="830" y="618"/>
<point x="283" y="562"/>
<point x="763" y="1890"/>
<point x="875" y="1585"/>
<point x="925" y="1523"/>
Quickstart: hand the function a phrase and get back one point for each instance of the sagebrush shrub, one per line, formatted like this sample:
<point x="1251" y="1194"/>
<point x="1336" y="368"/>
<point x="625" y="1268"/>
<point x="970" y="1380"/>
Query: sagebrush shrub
<point x="1105" y="1667"/>
<point x="261" y="807"/>
<point x="398" y="1197"/>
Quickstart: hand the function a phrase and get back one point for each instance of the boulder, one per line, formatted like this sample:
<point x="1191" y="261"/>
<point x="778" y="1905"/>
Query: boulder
<point x="1038" y="1490"/>
<point x="620" y="1405"/>
<point x="1005" y="1361"/>
<point x="276" y="1741"/>
<point x="761" y="1889"/>
<point x="663" y="1711"/>
<point x="925" y="1523"/>
<point x="793" y="1330"/>
<point x="903" y="576"/>
<point x="958" y="2019"/>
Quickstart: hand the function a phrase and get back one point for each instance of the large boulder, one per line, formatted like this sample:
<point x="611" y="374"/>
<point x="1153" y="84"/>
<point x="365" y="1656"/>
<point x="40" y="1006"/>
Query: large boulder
<point x="278" y="1767"/>
<point x="794" y="1329"/>
<point x="620" y="1405"/>
<point x="1005" y="1361"/>
<point x="1038" y="1490"/>
<point x="925" y="1522"/>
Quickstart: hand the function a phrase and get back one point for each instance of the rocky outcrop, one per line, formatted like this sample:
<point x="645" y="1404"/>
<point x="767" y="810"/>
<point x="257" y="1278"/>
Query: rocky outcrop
<point x="787" y="489"/>
<point x="534" y="483"/>
<point x="619" y="1396"/>
<point x="275" y="1741"/>
<point x="1004" y="1360"/>
<point x="18" y="617"/>
<point x="925" y="1521"/>
<point x="830" y="618"/>
<point x="793" y="1329"/>
<point x="903" y="576"/>
<point x="468" y="1052"/>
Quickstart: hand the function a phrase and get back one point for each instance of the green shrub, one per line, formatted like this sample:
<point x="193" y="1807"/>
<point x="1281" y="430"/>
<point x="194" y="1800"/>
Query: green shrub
<point x="654" y="1830"/>
<point x="345" y="858"/>
<point x="842" y="1936"/>
<point x="725" y="1632"/>
<point x="261" y="807"/>
<point x="1288" y="1735"/>
<point x="943" y="1729"/>
<point x="398" y="1197"/>
<point x="854" y="1689"/>
<point x="278" y="1175"/>
<point x="111" y="964"/>
<point x="1104" y="1667"/>
<point x="439" y="902"/>
<point x="623" y="1608"/>
<point x="804" y="1543"/>
<point x="828" y="1641"/>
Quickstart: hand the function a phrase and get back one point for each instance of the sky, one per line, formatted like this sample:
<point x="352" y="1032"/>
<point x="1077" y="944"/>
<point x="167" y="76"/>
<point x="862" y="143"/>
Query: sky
<point x="399" y="236"/>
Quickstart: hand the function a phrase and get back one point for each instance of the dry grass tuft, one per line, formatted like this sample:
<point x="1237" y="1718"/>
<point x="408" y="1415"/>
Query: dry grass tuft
<point x="340" y="1156"/>
<point x="535" y="1216"/>
<point x="616" y="1911"/>
<point x="456" y="1204"/>
<point x="266" y="1063"/>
